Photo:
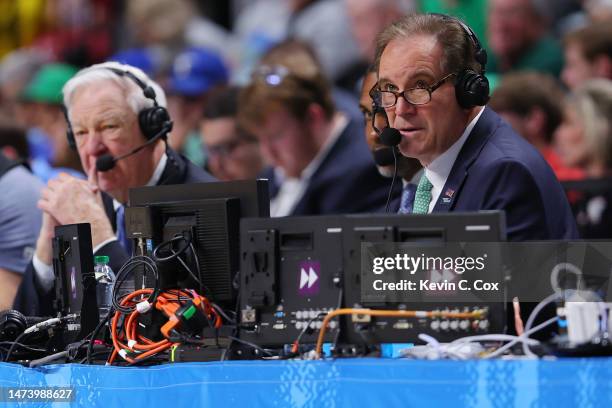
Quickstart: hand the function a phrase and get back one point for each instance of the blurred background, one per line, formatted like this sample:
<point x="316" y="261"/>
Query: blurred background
<point x="550" y="66"/>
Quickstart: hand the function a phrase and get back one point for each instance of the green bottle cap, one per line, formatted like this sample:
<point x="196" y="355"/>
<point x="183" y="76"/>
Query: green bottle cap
<point x="101" y="259"/>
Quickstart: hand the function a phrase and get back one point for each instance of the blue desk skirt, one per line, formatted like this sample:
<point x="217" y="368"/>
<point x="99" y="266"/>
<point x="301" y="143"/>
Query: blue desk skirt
<point x="339" y="383"/>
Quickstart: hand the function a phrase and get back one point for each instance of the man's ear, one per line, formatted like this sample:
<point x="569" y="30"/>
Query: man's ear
<point x="315" y="116"/>
<point x="602" y="65"/>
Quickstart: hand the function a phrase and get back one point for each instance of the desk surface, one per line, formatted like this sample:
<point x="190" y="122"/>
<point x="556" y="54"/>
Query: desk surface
<point x="341" y="383"/>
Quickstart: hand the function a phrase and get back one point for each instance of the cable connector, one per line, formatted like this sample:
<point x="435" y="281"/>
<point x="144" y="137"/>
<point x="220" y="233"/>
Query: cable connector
<point x="42" y="325"/>
<point x="132" y="343"/>
<point x="143" y="307"/>
<point x="123" y="353"/>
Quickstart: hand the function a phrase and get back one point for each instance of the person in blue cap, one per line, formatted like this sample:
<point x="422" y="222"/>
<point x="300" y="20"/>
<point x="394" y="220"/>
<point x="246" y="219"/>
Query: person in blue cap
<point x="195" y="72"/>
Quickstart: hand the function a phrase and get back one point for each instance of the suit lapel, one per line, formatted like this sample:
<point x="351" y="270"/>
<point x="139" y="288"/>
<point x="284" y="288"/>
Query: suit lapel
<point x="468" y="154"/>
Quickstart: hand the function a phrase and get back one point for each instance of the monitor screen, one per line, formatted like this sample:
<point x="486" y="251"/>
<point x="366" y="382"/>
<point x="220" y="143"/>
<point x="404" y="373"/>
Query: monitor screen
<point x="195" y="230"/>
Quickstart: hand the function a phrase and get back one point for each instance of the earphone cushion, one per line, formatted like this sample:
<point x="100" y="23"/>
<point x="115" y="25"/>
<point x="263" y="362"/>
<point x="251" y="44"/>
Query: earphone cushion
<point x="472" y="89"/>
<point x="152" y="120"/>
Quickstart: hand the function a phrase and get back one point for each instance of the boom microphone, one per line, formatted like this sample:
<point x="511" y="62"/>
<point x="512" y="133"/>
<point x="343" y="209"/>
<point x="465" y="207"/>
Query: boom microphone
<point x="390" y="136"/>
<point x="107" y="162"/>
<point x="384" y="156"/>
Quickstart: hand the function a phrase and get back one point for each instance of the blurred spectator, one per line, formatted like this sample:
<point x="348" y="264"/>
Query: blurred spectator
<point x="531" y="103"/>
<point x="369" y="17"/>
<point x="520" y="40"/>
<point x="472" y="12"/>
<point x="321" y="163"/>
<point x="21" y="22"/>
<point x="143" y="58"/>
<point x="79" y="32"/>
<point x="44" y="93"/>
<point x="599" y="10"/>
<point x="168" y="26"/>
<point x="20" y="222"/>
<point x="16" y="70"/>
<point x="13" y="141"/>
<point x="323" y="24"/>
<point x="383" y="155"/>
<point x="232" y="153"/>
<point x="588" y="54"/>
<point x="584" y="139"/>
<point x="194" y="73"/>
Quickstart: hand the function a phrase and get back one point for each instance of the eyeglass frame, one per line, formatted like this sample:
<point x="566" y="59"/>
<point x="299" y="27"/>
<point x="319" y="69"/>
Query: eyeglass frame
<point x="430" y="89"/>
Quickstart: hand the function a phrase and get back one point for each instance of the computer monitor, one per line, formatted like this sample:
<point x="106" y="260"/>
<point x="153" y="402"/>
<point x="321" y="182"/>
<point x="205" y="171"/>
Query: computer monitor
<point x="430" y="229"/>
<point x="205" y="215"/>
<point x="295" y="269"/>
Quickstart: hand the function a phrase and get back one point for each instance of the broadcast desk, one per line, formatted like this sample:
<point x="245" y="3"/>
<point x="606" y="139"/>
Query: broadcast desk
<point x="340" y="383"/>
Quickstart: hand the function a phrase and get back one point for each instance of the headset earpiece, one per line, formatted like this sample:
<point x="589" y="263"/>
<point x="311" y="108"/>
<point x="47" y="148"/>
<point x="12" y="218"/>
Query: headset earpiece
<point x="471" y="87"/>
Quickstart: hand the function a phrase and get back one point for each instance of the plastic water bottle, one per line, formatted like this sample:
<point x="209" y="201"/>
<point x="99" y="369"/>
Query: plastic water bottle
<point x="105" y="278"/>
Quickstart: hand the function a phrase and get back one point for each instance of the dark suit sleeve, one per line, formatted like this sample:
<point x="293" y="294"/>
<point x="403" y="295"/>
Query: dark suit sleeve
<point x="31" y="299"/>
<point x="513" y="189"/>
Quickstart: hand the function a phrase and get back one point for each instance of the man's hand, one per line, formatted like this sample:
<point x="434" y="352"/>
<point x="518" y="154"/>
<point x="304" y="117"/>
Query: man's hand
<point x="44" y="249"/>
<point x="69" y="200"/>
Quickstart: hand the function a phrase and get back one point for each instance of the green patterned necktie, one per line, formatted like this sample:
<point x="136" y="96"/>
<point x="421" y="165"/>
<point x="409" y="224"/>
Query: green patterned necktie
<point x="422" y="197"/>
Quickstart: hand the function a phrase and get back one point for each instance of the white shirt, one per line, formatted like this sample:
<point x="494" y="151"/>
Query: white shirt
<point x="438" y="170"/>
<point x="44" y="272"/>
<point x="291" y="188"/>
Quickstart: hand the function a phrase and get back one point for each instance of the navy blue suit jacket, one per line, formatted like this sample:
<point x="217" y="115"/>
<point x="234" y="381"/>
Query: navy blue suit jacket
<point x="346" y="181"/>
<point x="497" y="169"/>
<point x="33" y="301"/>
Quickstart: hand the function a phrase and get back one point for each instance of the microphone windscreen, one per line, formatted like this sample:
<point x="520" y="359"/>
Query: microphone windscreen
<point x="384" y="156"/>
<point x="105" y="163"/>
<point x="390" y="136"/>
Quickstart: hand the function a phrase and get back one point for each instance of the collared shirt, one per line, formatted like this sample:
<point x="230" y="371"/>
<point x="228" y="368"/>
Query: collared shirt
<point x="44" y="272"/>
<point x="438" y="170"/>
<point x="293" y="188"/>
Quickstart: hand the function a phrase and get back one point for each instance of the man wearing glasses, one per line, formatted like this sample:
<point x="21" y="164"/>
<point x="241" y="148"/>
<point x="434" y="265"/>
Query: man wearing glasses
<point x="232" y="153"/>
<point x="319" y="161"/>
<point x="431" y="84"/>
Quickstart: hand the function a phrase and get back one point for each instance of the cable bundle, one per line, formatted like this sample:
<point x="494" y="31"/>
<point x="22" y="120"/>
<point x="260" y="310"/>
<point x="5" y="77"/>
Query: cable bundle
<point x="134" y="347"/>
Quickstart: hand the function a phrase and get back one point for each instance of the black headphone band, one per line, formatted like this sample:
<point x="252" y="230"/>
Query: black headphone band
<point x="480" y="54"/>
<point x="147" y="90"/>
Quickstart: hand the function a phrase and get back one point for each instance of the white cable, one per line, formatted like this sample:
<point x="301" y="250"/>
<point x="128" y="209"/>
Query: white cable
<point x="549" y="299"/>
<point x="523" y="338"/>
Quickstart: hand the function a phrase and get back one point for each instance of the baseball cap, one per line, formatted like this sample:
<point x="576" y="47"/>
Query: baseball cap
<point x="137" y="57"/>
<point x="46" y="85"/>
<point x="195" y="71"/>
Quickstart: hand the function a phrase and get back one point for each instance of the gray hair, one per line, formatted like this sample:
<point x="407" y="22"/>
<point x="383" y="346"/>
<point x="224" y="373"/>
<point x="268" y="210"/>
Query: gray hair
<point x="593" y="103"/>
<point x="103" y="72"/>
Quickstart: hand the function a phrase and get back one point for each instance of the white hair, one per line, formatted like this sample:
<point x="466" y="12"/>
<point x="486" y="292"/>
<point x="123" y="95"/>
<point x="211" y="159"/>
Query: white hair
<point x="103" y="72"/>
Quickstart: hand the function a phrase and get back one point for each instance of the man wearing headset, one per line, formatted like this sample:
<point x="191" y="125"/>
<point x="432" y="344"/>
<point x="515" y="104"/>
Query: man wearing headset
<point x="118" y="124"/>
<point x="431" y="83"/>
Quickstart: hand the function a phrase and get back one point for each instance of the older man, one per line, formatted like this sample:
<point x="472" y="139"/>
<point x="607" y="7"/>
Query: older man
<point x="432" y="86"/>
<point x="113" y="110"/>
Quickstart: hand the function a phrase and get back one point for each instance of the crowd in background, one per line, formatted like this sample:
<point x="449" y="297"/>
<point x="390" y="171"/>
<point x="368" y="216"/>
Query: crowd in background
<point x="549" y="64"/>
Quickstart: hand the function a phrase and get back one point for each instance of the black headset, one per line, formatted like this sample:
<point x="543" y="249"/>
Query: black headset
<point x="151" y="120"/>
<point x="471" y="87"/>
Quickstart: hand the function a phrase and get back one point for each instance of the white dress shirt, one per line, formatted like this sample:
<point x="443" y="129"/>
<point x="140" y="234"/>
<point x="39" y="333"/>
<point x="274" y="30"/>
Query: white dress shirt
<point x="438" y="170"/>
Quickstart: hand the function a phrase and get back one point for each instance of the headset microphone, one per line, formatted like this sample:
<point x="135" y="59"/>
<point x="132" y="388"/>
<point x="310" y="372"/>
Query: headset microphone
<point x="390" y="137"/>
<point x="107" y="162"/>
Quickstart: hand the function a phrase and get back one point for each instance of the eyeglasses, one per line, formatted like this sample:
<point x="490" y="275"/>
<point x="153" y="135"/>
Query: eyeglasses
<point x="272" y="75"/>
<point x="415" y="96"/>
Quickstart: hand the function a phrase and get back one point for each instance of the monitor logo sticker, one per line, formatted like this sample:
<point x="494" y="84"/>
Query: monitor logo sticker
<point x="309" y="273"/>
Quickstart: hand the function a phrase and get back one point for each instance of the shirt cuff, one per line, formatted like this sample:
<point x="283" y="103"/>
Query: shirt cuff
<point x="44" y="274"/>
<point x="101" y="244"/>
